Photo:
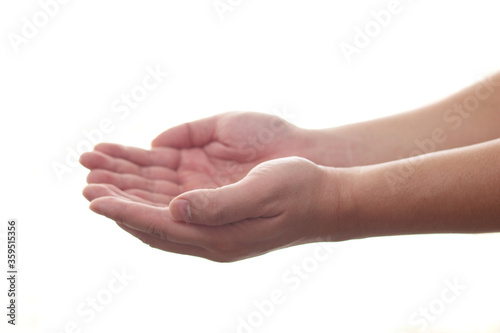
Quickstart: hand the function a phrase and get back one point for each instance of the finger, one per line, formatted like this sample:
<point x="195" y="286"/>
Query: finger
<point x="229" y="242"/>
<point x="94" y="191"/>
<point x="165" y="245"/>
<point x="129" y="181"/>
<point x="249" y="198"/>
<point x="233" y="242"/>
<point x="99" y="160"/>
<point x="154" y="221"/>
<point x="167" y="157"/>
<point x="193" y="134"/>
<point x="160" y="173"/>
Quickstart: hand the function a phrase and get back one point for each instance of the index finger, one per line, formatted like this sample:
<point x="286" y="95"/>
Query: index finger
<point x="149" y="219"/>
<point x="167" y="157"/>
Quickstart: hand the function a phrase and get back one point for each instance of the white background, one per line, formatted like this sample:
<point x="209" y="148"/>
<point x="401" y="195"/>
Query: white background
<point x="263" y="56"/>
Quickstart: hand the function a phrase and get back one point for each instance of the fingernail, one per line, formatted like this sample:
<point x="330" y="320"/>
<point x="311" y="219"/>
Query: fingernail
<point x="182" y="207"/>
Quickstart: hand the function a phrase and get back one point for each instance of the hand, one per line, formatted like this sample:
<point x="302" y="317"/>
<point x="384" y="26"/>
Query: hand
<point x="280" y="203"/>
<point x="206" y="153"/>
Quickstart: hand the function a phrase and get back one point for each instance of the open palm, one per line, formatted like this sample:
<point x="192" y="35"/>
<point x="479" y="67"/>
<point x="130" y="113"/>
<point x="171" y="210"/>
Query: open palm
<point x="206" y="153"/>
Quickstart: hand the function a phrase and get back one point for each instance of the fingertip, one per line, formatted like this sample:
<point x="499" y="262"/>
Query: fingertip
<point x="96" y="206"/>
<point x="163" y="140"/>
<point x="94" y="191"/>
<point x="86" y="192"/>
<point x="155" y="143"/>
<point x="175" y="137"/>
<point x="98" y="176"/>
<point x="180" y="210"/>
<point x="104" y="204"/>
<point x="102" y="146"/>
<point x="84" y="159"/>
<point x="90" y="178"/>
<point x="92" y="159"/>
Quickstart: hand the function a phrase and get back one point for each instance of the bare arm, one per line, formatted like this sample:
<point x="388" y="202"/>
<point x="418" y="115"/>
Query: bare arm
<point x="452" y="191"/>
<point x="467" y="117"/>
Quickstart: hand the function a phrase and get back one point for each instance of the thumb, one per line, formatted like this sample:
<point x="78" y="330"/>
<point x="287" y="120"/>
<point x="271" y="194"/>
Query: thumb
<point x="243" y="200"/>
<point x="193" y="134"/>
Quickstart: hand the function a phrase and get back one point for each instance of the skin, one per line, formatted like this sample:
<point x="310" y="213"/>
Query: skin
<point x="240" y="184"/>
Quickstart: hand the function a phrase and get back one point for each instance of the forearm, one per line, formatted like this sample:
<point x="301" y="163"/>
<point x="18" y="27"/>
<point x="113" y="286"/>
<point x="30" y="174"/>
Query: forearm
<point x="467" y="117"/>
<point x="453" y="191"/>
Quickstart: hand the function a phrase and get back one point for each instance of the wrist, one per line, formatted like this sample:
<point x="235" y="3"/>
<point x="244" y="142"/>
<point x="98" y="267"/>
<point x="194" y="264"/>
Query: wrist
<point x="338" y="204"/>
<point x="335" y="147"/>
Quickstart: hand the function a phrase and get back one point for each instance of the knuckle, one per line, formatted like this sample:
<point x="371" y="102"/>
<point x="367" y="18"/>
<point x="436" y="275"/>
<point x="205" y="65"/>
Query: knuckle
<point x="143" y="238"/>
<point x="215" y="210"/>
<point x="154" y="230"/>
<point x="205" y="208"/>
<point x="153" y="245"/>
